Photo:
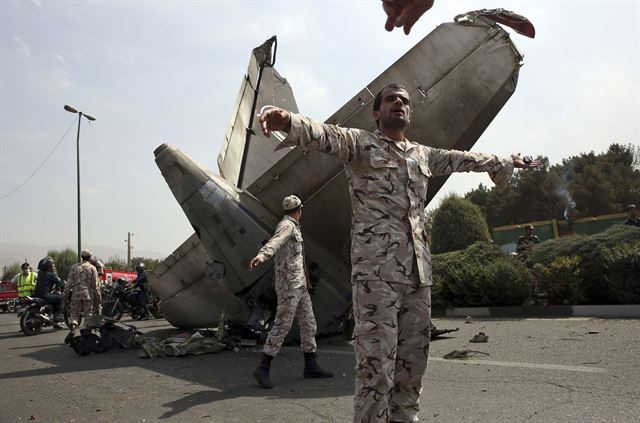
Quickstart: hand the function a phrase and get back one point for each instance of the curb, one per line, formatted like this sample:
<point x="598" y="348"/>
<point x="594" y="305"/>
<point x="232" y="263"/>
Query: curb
<point x="626" y="311"/>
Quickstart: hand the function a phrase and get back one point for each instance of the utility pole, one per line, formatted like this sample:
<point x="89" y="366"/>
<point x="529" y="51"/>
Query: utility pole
<point x="89" y="118"/>
<point x="128" y="241"/>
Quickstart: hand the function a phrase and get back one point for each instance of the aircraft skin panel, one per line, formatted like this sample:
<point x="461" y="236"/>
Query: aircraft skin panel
<point x="189" y="296"/>
<point x="246" y="153"/>
<point x="274" y="89"/>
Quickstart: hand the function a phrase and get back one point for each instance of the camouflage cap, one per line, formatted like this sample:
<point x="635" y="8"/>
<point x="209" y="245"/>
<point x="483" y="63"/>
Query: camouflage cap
<point x="86" y="253"/>
<point x="528" y="226"/>
<point x="290" y="202"/>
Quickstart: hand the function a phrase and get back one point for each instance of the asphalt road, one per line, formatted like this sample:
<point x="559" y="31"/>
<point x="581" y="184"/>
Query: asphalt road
<point x="534" y="370"/>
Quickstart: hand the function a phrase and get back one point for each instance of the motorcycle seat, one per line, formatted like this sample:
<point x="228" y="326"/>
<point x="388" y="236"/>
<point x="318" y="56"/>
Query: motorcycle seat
<point x="37" y="301"/>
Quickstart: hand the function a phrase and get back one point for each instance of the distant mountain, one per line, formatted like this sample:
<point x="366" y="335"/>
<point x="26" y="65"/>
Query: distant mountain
<point x="12" y="252"/>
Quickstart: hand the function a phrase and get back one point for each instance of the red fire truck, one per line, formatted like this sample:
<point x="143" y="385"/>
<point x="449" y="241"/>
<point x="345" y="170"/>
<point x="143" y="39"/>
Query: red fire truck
<point x="109" y="275"/>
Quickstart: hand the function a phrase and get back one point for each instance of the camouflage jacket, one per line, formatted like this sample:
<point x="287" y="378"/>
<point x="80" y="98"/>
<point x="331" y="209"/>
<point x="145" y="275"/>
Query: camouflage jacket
<point x="287" y="246"/>
<point x="82" y="283"/>
<point x="388" y="187"/>
<point x="525" y="242"/>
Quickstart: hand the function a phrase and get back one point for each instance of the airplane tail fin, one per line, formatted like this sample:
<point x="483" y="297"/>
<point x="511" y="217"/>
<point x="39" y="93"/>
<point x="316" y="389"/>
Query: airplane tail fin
<point x="246" y="154"/>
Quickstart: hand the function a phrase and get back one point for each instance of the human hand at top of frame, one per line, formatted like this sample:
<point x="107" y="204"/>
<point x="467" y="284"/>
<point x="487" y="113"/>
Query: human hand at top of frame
<point x="404" y="13"/>
<point x="525" y="162"/>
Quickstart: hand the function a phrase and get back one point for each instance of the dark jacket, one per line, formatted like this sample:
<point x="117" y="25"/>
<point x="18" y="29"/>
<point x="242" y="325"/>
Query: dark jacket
<point x="46" y="283"/>
<point x="141" y="280"/>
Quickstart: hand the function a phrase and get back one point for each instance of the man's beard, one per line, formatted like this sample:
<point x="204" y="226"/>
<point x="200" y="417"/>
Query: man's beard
<point x="394" y="122"/>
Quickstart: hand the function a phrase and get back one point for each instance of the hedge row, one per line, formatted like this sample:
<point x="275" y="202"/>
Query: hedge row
<point x="480" y="275"/>
<point x="598" y="269"/>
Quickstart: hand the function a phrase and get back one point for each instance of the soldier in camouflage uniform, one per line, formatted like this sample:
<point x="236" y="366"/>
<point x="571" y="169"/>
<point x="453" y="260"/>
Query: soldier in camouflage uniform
<point x="82" y="292"/>
<point x="527" y="240"/>
<point x="390" y="258"/>
<point x="292" y="290"/>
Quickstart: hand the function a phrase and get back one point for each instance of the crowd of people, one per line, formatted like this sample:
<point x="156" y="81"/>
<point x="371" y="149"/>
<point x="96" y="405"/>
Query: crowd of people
<point x="80" y="294"/>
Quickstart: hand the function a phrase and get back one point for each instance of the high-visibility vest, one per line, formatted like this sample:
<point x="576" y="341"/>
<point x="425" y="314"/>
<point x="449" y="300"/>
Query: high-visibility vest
<point x="26" y="284"/>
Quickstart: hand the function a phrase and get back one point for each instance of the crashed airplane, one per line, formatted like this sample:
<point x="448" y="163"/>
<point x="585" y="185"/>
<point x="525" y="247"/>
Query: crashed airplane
<point x="458" y="77"/>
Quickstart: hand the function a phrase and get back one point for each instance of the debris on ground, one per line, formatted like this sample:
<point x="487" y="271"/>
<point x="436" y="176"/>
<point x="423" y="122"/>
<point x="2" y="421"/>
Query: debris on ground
<point x="479" y="337"/>
<point x="99" y="334"/>
<point x="179" y="345"/>
<point x="435" y="332"/>
<point x="468" y="319"/>
<point x="462" y="354"/>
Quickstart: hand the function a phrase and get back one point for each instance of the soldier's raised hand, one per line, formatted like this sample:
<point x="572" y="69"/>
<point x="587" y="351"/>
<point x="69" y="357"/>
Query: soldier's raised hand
<point x="404" y="13"/>
<point x="525" y="162"/>
<point x="274" y="119"/>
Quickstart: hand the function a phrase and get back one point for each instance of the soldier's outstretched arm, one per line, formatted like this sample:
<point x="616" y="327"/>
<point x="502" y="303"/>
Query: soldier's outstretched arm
<point x="446" y="162"/>
<point x="283" y="232"/>
<point x="339" y="142"/>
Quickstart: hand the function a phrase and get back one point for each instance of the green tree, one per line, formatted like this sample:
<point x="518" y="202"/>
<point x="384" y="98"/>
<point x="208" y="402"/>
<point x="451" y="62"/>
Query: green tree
<point x="149" y="263"/>
<point x="457" y="224"/>
<point x="64" y="259"/>
<point x="589" y="184"/>
<point x="9" y="271"/>
<point x="117" y="263"/>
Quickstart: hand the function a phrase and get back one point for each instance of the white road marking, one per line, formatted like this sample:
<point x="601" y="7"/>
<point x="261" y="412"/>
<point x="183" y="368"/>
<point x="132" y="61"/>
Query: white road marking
<point x="526" y="365"/>
<point x="584" y="369"/>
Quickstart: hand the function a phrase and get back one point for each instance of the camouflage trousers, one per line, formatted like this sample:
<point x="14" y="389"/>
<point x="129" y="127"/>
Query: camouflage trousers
<point x="392" y="334"/>
<point x="292" y="303"/>
<point x="79" y="308"/>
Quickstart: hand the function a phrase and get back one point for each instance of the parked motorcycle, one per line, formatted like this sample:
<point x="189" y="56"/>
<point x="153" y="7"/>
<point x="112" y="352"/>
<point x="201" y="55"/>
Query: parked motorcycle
<point x="37" y="315"/>
<point x="120" y="298"/>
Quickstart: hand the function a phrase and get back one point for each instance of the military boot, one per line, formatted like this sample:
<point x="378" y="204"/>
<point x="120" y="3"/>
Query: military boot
<point x="261" y="374"/>
<point x="311" y="368"/>
<point x="71" y="335"/>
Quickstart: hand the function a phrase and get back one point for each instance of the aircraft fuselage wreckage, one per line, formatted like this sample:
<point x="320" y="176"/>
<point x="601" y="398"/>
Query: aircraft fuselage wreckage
<point x="458" y="77"/>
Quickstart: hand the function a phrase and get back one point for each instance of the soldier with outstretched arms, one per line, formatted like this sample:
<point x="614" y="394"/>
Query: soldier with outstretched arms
<point x="390" y="259"/>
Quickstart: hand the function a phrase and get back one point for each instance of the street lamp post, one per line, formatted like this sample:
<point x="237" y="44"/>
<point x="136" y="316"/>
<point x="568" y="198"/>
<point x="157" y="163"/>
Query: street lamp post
<point x="90" y="118"/>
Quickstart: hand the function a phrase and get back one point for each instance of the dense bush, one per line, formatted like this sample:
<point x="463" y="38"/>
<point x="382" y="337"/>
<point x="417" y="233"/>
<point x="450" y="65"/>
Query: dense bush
<point x="64" y="259"/>
<point x="480" y="275"/>
<point x="561" y="281"/>
<point x="457" y="224"/>
<point x="607" y="270"/>
<point x="623" y="272"/>
<point x="11" y="270"/>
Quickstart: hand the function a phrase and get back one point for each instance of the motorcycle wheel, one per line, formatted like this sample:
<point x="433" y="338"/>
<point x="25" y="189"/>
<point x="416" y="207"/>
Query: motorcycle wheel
<point x="31" y="323"/>
<point x="113" y="310"/>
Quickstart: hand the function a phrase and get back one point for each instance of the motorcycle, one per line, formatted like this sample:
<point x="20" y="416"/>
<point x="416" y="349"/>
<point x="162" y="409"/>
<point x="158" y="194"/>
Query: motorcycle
<point x="36" y="315"/>
<point x="120" y="298"/>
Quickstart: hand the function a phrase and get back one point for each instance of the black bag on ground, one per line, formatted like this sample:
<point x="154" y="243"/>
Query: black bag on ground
<point x="101" y="334"/>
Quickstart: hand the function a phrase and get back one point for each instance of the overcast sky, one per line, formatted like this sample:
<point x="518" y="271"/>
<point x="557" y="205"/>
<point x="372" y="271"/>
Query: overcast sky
<point x="169" y="71"/>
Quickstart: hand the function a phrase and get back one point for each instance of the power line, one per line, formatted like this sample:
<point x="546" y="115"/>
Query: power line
<point x="41" y="164"/>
